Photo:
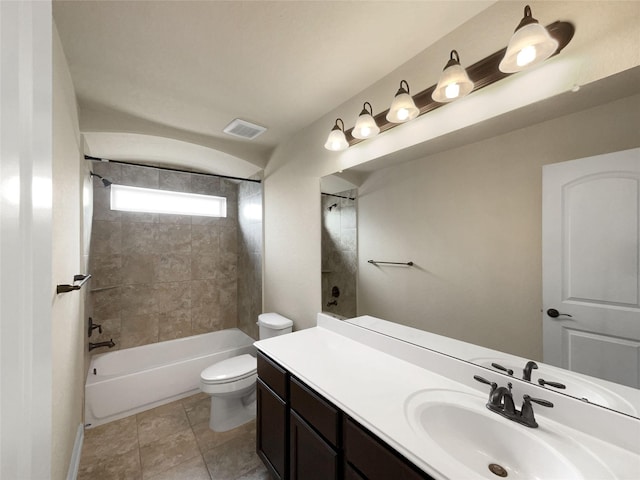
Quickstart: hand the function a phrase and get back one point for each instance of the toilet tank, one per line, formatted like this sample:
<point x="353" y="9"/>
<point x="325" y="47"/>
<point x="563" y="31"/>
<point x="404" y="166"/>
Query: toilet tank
<point x="273" y="324"/>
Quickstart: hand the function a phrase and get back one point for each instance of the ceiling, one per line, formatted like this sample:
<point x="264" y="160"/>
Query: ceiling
<point x="180" y="71"/>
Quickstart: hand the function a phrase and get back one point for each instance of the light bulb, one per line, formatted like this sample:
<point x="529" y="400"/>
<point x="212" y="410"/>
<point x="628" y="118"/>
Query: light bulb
<point x="454" y="81"/>
<point x="403" y="107"/>
<point x="452" y="90"/>
<point x="526" y="56"/>
<point x="336" y="141"/>
<point x="365" y="126"/>
<point x="530" y="45"/>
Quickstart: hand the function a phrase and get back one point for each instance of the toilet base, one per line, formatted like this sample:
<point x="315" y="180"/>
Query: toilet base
<point x="229" y="413"/>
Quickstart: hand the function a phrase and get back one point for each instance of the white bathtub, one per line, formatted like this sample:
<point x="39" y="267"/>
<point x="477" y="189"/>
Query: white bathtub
<point x="132" y="380"/>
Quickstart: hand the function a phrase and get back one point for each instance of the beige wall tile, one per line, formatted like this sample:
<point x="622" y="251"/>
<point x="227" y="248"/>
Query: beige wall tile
<point x="172" y="268"/>
<point x="139" y="238"/>
<point x="138" y="330"/>
<point x="137" y="268"/>
<point x="174" y="238"/>
<point x="166" y="265"/>
<point x="176" y="324"/>
<point x="106" y="238"/>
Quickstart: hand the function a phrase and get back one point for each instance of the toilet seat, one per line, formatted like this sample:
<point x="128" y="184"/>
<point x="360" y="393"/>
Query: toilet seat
<point x="230" y="370"/>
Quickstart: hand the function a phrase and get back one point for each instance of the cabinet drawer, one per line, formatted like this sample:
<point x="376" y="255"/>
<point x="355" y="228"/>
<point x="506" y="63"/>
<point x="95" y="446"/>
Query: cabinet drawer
<point x="319" y="413"/>
<point x="273" y="375"/>
<point x="373" y="458"/>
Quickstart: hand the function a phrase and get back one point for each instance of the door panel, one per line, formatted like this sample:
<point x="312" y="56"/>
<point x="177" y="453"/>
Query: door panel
<point x="600" y="215"/>
<point x="591" y="269"/>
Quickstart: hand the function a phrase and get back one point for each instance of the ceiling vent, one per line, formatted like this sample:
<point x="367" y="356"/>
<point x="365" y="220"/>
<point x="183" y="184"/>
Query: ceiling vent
<point x="242" y="129"/>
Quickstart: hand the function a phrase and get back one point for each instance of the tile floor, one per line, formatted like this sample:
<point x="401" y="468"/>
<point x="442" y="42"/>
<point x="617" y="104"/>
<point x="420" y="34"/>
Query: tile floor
<point x="171" y="442"/>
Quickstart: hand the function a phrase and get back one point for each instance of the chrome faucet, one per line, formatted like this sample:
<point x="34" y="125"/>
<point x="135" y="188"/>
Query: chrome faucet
<point x="501" y="402"/>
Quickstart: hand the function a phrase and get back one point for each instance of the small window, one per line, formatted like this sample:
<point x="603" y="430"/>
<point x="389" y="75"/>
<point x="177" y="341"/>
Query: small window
<point x="136" y="199"/>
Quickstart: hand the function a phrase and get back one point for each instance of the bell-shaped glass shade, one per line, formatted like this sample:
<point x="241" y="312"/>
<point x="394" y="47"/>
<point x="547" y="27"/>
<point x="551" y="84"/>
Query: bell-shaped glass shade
<point x="454" y="83"/>
<point x="336" y="140"/>
<point x="365" y="127"/>
<point x="529" y="46"/>
<point x="402" y="109"/>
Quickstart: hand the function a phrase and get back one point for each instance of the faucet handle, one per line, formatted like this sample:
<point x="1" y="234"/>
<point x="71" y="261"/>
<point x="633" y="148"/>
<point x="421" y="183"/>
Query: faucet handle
<point x="526" y="414"/>
<point x="539" y="401"/>
<point x="508" y="371"/>
<point x="494" y="385"/>
<point x="543" y="382"/>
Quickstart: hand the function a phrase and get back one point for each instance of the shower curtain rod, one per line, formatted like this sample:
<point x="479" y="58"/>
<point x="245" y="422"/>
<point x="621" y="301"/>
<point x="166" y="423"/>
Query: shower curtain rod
<point x="339" y="196"/>
<point x="167" y="169"/>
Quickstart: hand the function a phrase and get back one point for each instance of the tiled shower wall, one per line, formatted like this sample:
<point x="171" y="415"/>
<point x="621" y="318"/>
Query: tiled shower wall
<point x="339" y="253"/>
<point x="249" y="256"/>
<point x="158" y="277"/>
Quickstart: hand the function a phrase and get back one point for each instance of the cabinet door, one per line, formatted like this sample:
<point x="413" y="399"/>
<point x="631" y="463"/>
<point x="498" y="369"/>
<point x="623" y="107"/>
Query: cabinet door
<point x="311" y="457"/>
<point x="271" y="431"/>
<point x="373" y="458"/>
<point x="351" y="473"/>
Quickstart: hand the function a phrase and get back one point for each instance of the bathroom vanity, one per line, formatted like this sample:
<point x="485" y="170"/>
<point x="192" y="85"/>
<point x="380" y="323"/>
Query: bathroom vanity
<point x="302" y="435"/>
<point x="338" y="401"/>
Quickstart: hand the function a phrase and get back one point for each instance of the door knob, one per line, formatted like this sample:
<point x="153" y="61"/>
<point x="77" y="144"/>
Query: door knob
<point x="553" y="313"/>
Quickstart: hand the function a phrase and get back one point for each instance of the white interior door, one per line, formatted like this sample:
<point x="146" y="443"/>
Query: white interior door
<point x="591" y="271"/>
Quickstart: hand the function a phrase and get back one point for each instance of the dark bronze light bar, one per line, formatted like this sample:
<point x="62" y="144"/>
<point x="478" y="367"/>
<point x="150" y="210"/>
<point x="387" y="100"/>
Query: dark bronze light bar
<point x="482" y="73"/>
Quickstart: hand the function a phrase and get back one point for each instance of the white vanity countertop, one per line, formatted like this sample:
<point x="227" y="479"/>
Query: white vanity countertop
<point x="373" y="387"/>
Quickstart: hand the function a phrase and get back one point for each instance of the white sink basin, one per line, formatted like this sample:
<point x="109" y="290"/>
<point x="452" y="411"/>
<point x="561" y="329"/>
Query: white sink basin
<point x="576" y="386"/>
<point x="470" y="440"/>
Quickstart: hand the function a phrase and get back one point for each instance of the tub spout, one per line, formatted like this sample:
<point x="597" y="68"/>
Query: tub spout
<point x="109" y="344"/>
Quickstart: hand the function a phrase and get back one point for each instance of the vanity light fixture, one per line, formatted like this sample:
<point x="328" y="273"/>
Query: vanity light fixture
<point x="366" y="126"/>
<point x="487" y="71"/>
<point x="403" y="107"/>
<point x="454" y="82"/>
<point x="336" y="141"/>
<point x="530" y="45"/>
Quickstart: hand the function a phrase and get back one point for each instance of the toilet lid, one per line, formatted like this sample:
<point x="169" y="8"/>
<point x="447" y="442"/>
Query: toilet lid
<point x="274" y="321"/>
<point x="230" y="370"/>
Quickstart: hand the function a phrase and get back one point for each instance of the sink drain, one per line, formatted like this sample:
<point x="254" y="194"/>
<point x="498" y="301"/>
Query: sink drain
<point x="497" y="470"/>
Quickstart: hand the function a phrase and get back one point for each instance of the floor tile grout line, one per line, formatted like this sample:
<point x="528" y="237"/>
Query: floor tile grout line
<point x="197" y="442"/>
<point x="138" y="442"/>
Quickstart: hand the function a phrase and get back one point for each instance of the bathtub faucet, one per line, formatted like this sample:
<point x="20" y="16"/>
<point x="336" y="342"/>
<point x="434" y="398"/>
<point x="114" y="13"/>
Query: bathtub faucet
<point x="109" y="344"/>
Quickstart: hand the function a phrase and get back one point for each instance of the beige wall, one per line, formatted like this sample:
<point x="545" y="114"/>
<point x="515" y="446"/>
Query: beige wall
<point x="471" y="220"/>
<point x="606" y="42"/>
<point x="68" y="326"/>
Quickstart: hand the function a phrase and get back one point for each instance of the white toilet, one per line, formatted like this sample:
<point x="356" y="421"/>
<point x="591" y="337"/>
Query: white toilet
<point x="232" y="382"/>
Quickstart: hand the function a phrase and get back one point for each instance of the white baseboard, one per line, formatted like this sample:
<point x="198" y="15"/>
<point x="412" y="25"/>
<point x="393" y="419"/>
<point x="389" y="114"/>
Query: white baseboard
<point x="74" y="464"/>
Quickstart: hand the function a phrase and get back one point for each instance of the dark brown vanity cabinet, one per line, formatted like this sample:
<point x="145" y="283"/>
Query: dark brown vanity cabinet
<point x="367" y="457"/>
<point x="272" y="419"/>
<point x="314" y="435"/>
<point x="302" y="436"/>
